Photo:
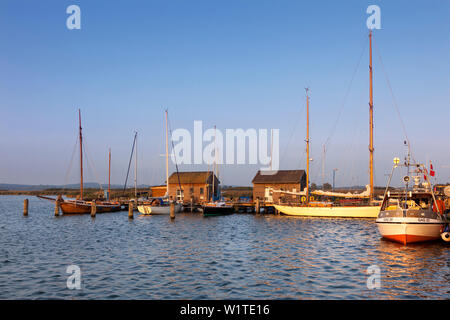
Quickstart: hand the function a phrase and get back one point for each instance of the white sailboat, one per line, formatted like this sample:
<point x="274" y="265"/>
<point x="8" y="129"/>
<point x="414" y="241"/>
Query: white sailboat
<point x="161" y="205"/>
<point x="326" y="208"/>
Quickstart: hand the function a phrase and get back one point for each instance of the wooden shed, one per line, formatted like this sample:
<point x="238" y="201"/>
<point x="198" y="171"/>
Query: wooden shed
<point x="196" y="186"/>
<point x="286" y="180"/>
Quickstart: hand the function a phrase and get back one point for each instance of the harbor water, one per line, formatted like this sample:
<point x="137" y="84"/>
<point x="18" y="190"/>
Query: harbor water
<point x="241" y="256"/>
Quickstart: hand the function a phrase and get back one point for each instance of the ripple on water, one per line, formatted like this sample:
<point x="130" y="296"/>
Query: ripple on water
<point x="231" y="257"/>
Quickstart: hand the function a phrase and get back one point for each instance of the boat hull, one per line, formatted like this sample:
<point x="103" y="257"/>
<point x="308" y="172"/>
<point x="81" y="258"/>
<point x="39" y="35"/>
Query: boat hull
<point x="153" y="210"/>
<point x="217" y="211"/>
<point x="69" y="207"/>
<point x="337" y="212"/>
<point x="410" y="230"/>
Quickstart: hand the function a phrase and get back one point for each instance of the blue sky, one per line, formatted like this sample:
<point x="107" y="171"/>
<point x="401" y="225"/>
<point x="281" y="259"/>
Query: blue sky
<point x="233" y="64"/>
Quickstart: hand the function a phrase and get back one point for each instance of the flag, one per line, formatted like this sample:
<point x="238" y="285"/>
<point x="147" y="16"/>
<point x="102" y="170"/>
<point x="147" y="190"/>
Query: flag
<point x="431" y="170"/>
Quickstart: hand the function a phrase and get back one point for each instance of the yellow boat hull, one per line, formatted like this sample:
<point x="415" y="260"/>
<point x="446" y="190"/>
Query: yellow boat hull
<point x="337" y="212"/>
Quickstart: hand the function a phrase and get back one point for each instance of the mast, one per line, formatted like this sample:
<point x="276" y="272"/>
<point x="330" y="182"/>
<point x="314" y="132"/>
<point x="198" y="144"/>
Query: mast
<point x="214" y="165"/>
<point x="135" y="169"/>
<point x="167" y="157"/>
<point x="109" y="174"/>
<point x="307" y="145"/>
<point x="81" y="156"/>
<point x="371" y="121"/>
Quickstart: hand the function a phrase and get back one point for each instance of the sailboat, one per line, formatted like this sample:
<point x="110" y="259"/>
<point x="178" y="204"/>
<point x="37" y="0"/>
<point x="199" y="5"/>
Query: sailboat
<point x="161" y="205"/>
<point x="79" y="205"/>
<point x="217" y="206"/>
<point x="330" y="209"/>
<point x="413" y="214"/>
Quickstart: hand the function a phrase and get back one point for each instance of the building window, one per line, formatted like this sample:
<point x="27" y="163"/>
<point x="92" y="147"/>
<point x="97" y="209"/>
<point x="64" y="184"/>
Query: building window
<point x="180" y="195"/>
<point x="191" y="190"/>
<point x="201" y="190"/>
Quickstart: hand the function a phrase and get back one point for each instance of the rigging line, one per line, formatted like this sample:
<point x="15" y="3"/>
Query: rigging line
<point x="393" y="96"/>
<point x="91" y="164"/>
<point x="346" y="94"/>
<point x="286" y="148"/>
<point x="173" y="150"/>
<point x="129" y="163"/>
<point x="66" y="178"/>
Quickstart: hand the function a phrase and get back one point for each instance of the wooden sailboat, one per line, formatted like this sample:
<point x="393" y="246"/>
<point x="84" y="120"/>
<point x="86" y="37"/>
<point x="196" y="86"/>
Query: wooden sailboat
<point x="161" y="205"/>
<point x="217" y="206"/>
<point x="79" y="205"/>
<point x="329" y="209"/>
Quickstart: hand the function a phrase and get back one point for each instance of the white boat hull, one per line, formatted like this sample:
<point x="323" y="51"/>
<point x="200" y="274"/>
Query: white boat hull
<point x="150" y="210"/>
<point x="341" y="212"/>
<point x="408" y="230"/>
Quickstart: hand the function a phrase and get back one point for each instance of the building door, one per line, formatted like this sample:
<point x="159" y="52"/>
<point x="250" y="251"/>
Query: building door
<point x="268" y="195"/>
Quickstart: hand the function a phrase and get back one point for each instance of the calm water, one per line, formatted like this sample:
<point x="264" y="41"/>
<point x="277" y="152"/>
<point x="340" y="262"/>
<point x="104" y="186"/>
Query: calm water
<point x="240" y="256"/>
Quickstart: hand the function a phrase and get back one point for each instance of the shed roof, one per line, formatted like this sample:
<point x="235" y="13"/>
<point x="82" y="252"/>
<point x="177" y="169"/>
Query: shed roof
<point x="280" y="176"/>
<point x="191" y="177"/>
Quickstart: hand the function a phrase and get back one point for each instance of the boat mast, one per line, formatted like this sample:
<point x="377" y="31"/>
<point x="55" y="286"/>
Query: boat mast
<point x="307" y="145"/>
<point x="214" y="166"/>
<point x="109" y="174"/>
<point x="167" y="157"/>
<point x="81" y="156"/>
<point x="135" y="169"/>
<point x="371" y="121"/>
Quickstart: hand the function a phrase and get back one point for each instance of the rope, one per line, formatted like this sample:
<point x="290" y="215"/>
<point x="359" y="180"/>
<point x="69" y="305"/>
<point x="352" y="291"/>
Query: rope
<point x="393" y="96"/>
<point x="66" y="178"/>
<point x="90" y="164"/>
<point x="129" y="163"/>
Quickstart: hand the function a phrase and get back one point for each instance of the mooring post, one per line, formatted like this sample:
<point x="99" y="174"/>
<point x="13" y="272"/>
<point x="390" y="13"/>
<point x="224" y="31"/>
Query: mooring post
<point x="130" y="210"/>
<point x="25" y="207"/>
<point x="257" y="206"/>
<point x="192" y="205"/>
<point x="93" y="209"/>
<point x="57" y="207"/>
<point x="172" y="210"/>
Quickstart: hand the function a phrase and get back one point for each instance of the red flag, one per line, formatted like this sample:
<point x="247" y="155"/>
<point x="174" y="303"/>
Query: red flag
<point x="431" y="170"/>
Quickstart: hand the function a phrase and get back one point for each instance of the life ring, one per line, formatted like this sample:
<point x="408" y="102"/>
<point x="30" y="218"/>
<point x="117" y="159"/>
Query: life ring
<point x="311" y="198"/>
<point x="303" y="198"/>
<point x="445" y="236"/>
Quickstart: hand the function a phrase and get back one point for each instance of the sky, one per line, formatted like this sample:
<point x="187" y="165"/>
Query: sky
<point x="232" y="64"/>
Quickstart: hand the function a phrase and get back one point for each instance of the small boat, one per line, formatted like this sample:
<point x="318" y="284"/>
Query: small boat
<point x="217" y="208"/>
<point x="80" y="206"/>
<point x="158" y="206"/>
<point x="413" y="214"/>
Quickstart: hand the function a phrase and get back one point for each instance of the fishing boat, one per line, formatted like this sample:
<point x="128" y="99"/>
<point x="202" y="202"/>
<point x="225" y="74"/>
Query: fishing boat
<point x="364" y="204"/>
<point x="80" y="206"/>
<point x="216" y="207"/>
<point x="161" y="205"/>
<point x="412" y="214"/>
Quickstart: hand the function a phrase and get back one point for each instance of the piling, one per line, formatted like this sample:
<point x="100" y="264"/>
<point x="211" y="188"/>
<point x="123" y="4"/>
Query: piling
<point x="172" y="210"/>
<point x="192" y="205"/>
<point x="130" y="210"/>
<point x="56" y="208"/>
<point x="25" y="207"/>
<point x="257" y="209"/>
<point x="93" y="209"/>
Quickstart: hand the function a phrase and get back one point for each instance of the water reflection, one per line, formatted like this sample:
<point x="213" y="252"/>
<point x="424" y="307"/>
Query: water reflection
<point x="232" y="257"/>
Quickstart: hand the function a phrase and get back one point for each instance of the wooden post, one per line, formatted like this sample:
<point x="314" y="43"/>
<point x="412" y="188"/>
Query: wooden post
<point x="93" y="209"/>
<point x="192" y="205"/>
<point x="130" y="210"/>
<point x="25" y="207"/>
<point x="172" y="210"/>
<point x="56" y="208"/>
<point x="257" y="209"/>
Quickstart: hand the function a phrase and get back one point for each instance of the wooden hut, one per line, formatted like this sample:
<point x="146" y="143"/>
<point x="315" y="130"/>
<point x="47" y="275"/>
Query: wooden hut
<point x="286" y="180"/>
<point x="196" y="186"/>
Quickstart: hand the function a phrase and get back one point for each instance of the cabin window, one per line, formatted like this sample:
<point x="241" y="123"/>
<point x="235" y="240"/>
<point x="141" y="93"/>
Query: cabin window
<point x="201" y="190"/>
